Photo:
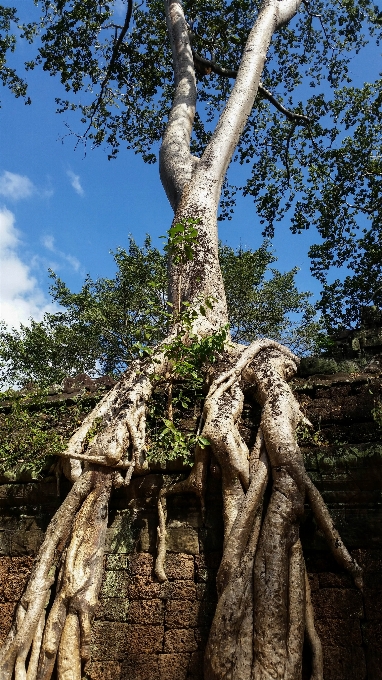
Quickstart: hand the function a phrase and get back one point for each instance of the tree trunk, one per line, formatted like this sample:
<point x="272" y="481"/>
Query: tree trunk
<point x="264" y="604"/>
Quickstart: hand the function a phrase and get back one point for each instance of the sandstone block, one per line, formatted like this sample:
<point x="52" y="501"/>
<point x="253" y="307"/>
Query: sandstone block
<point x="113" y="609"/>
<point x="339" y="632"/>
<point x="143" y="588"/>
<point x="182" y="539"/>
<point x="141" y="564"/>
<point x="340" y="663"/>
<point x="116" y="641"/>
<point x="180" y="614"/>
<point x="146" y="612"/>
<point x="140" y="667"/>
<point x="179" y="566"/>
<point x="14" y="573"/>
<point x="180" y="641"/>
<point x="114" y="584"/>
<point x="97" y="670"/>
<point x="335" y="603"/>
<point x="7" y="610"/>
<point x="178" y="590"/>
<point x="173" y="666"/>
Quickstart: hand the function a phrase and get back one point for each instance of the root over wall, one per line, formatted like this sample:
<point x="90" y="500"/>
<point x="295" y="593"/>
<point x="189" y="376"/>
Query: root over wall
<point x="146" y="630"/>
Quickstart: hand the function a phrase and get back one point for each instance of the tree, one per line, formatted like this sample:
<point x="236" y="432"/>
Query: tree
<point x="304" y="164"/>
<point x="111" y="322"/>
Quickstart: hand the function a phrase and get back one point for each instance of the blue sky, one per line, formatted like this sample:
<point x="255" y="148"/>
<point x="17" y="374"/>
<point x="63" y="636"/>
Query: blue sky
<point x="62" y="209"/>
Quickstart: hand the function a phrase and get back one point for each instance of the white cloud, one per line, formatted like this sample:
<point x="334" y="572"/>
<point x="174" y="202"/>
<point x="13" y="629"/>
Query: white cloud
<point x="75" y="182"/>
<point x="15" y="187"/>
<point x="20" y="296"/>
<point x="48" y="243"/>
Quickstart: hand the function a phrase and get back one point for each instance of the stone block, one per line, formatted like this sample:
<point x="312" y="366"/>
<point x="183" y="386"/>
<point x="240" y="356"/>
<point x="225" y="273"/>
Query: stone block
<point x="182" y="538"/>
<point x="114" y="584"/>
<point x="116" y="641"/>
<point x="14" y="573"/>
<point x="173" y="666"/>
<point x="179" y="566"/>
<point x="146" y="612"/>
<point x="373" y="604"/>
<point x="116" y="562"/>
<point x="182" y="614"/>
<point x="180" y="640"/>
<point x="143" y="588"/>
<point x="331" y="603"/>
<point x="120" y="535"/>
<point x="26" y="542"/>
<point x="98" y="670"/>
<point x="141" y="667"/>
<point x="330" y="580"/>
<point x="141" y="564"/>
<point x="344" y="663"/>
<point x="7" y="610"/>
<point x="369" y="560"/>
<point x="339" y="632"/>
<point x="113" y="609"/>
<point x="178" y="590"/>
<point x="5" y="543"/>
<point x="210" y="559"/>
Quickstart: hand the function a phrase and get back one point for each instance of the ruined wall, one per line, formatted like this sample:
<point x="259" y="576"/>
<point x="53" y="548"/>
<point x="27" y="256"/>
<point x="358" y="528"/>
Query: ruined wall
<point x="150" y="631"/>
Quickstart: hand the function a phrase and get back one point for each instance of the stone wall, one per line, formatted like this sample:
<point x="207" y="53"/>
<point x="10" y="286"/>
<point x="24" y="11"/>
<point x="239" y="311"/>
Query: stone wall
<point x="150" y="631"/>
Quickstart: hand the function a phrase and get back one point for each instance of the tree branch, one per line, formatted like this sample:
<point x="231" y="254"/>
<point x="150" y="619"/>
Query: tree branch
<point x="297" y="118"/>
<point x="175" y="160"/>
<point x="218" y="153"/>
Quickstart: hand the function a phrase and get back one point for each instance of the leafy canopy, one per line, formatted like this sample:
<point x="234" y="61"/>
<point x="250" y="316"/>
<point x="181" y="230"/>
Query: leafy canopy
<point x="109" y="322"/>
<point x="115" y="66"/>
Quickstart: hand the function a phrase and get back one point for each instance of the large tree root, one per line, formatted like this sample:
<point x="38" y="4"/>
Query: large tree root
<point x="264" y="607"/>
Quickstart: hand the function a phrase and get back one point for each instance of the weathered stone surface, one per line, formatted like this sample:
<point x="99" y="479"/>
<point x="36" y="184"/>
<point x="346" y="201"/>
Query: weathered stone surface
<point x="141" y="667"/>
<point x="178" y="590"/>
<point x="328" y="602"/>
<point x="179" y="566"/>
<point x="98" y="670"/>
<point x="182" y="538"/>
<point x="339" y="632"/>
<point x="7" y="610"/>
<point x="146" y="612"/>
<point x="341" y="663"/>
<point x="182" y="614"/>
<point x="173" y="666"/>
<point x="143" y="588"/>
<point x="181" y="640"/>
<point x="115" y="584"/>
<point x="14" y="573"/>
<point x="116" y="641"/>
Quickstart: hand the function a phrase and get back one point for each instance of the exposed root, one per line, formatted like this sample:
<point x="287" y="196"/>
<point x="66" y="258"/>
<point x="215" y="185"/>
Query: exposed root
<point x="326" y="524"/>
<point x="258" y="633"/>
<point x="264" y="603"/>
<point x="296" y="611"/>
<point x="311" y="633"/>
<point x="195" y="483"/>
<point x="35" y="598"/>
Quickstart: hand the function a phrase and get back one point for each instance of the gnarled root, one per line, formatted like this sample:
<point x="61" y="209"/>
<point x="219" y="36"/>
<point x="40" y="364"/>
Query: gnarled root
<point x="30" y="612"/>
<point x="264" y="602"/>
<point x="195" y="483"/>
